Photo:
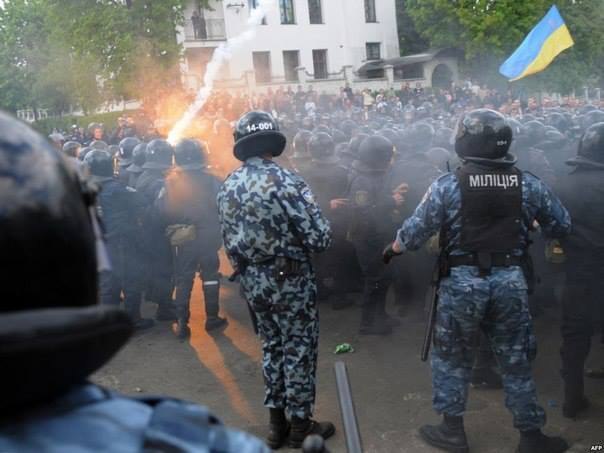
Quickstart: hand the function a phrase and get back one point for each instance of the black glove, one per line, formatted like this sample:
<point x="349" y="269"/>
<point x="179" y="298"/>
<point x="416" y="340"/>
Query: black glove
<point x="389" y="253"/>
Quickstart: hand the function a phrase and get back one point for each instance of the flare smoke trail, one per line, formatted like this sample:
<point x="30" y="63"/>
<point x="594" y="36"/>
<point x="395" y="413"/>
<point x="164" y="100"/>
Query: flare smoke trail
<point x="223" y="53"/>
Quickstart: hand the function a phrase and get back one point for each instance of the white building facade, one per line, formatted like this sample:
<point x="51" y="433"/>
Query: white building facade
<point x="301" y="41"/>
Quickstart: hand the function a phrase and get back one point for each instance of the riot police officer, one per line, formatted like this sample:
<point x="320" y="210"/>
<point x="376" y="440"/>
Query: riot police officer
<point x="301" y="158"/>
<point x="483" y="212"/>
<point x="372" y="204"/>
<point x="139" y="157"/>
<point x="159" y="252"/>
<point x="189" y="207"/>
<point x="120" y="209"/>
<point x="71" y="150"/>
<point x="270" y="225"/>
<point x="329" y="182"/>
<point x="53" y="335"/>
<point x="413" y="171"/>
<point x="582" y="192"/>
<point x="124" y="158"/>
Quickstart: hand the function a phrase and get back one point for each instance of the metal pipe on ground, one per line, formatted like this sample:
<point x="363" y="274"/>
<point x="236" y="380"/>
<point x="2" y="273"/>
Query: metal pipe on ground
<point x="349" y="417"/>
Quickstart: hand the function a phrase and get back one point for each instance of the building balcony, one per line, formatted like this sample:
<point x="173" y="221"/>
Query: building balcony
<point x="204" y="30"/>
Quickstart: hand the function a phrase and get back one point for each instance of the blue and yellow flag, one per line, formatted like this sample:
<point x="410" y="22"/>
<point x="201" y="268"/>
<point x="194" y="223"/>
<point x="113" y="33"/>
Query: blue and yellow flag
<point x="539" y="48"/>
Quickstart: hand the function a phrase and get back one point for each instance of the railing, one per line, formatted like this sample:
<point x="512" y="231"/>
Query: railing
<point x="205" y="30"/>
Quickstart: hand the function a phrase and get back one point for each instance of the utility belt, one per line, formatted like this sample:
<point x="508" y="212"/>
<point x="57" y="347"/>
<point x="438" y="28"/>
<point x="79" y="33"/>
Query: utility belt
<point x="284" y="267"/>
<point x="485" y="261"/>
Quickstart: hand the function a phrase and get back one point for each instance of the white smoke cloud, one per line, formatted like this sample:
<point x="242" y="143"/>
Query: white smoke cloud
<point x="223" y="53"/>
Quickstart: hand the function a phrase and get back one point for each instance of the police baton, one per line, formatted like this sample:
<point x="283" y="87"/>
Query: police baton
<point x="253" y="316"/>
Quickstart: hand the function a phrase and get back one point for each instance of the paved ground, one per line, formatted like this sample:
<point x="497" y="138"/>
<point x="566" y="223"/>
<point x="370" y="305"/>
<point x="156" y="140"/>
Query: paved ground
<point x="391" y="385"/>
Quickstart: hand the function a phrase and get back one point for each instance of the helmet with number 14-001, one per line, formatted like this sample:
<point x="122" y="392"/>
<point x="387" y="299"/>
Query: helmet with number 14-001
<point x="257" y="134"/>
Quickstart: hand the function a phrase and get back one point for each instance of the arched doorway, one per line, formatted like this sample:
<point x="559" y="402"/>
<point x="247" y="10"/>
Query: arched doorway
<point x="442" y="76"/>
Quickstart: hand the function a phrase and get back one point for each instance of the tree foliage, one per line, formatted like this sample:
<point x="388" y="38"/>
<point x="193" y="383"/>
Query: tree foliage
<point x="490" y="30"/>
<point x="135" y="46"/>
<point x="410" y="40"/>
<point x="61" y="53"/>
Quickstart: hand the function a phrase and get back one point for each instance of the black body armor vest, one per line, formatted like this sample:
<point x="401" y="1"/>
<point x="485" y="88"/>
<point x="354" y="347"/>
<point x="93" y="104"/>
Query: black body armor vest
<point x="491" y="208"/>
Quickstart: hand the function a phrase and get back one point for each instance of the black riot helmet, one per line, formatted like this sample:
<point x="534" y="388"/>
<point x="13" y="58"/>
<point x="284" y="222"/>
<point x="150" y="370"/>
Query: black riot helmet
<point x="375" y="153"/>
<point x="483" y="134"/>
<point x="338" y="136"/>
<point x="83" y="152"/>
<point x="256" y="134"/>
<point x="591" y="147"/>
<point x="534" y="131"/>
<point x="348" y="127"/>
<point x="390" y="134"/>
<point x="44" y="221"/>
<point x="419" y="137"/>
<point x="139" y="157"/>
<point x="71" y="148"/>
<point x="593" y="117"/>
<point x="556" y="138"/>
<point x="322" y="128"/>
<point x="99" y="163"/>
<point x="557" y="120"/>
<point x="442" y="138"/>
<point x="127" y="145"/>
<point x="159" y="155"/>
<point x="322" y="147"/>
<point x="48" y="320"/>
<point x="190" y="154"/>
<point x="300" y="143"/>
<point x="355" y="143"/>
<point x="99" y="144"/>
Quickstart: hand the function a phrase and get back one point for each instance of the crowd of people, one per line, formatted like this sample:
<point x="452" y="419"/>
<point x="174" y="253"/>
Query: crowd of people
<point x="368" y="159"/>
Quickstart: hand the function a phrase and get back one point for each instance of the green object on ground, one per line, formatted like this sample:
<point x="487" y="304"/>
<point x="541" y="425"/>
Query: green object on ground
<point x="343" y="348"/>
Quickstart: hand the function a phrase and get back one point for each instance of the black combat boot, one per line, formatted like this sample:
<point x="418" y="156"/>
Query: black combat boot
<point x="181" y="329"/>
<point x="449" y="435"/>
<point x="574" y="394"/>
<point x="211" y="292"/>
<point x="486" y="379"/>
<point x="537" y="442"/>
<point x="570" y="409"/>
<point x="303" y="427"/>
<point x="278" y="429"/>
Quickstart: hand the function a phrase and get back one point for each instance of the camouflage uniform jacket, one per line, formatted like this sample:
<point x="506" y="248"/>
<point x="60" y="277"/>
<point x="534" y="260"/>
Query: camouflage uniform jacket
<point x="441" y="207"/>
<point x="267" y="211"/>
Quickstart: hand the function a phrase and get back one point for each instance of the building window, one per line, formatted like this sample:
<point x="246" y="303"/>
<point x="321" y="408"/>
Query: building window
<point x="373" y="50"/>
<point x="291" y="60"/>
<point x="262" y="66"/>
<point x="319" y="60"/>
<point x="370" y="11"/>
<point x="314" y="11"/>
<point x="253" y="4"/>
<point x="287" y="11"/>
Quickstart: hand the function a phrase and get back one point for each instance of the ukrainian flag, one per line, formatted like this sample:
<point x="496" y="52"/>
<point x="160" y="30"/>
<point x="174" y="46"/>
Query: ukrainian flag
<point x="539" y="48"/>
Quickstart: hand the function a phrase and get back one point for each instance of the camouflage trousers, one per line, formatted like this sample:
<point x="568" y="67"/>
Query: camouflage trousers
<point x="496" y="304"/>
<point x="288" y="325"/>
